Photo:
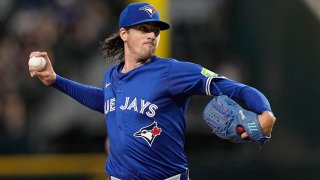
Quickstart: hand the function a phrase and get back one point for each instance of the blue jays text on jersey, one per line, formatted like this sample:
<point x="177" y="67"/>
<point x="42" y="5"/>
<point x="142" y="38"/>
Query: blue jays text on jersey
<point x="145" y="113"/>
<point x="138" y="105"/>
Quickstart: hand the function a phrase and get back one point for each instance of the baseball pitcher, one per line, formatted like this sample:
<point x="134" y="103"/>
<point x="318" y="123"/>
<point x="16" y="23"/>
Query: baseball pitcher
<point x="144" y="99"/>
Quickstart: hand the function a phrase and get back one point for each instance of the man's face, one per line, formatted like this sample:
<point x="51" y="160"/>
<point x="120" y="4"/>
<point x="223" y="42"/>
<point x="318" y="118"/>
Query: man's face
<point x="142" y="40"/>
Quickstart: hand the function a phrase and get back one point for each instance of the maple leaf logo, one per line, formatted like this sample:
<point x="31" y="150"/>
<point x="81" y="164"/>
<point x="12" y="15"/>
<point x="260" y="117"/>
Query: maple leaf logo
<point x="156" y="131"/>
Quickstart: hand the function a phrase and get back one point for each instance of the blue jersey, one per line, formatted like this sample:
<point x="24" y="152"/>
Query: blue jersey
<point x="145" y="113"/>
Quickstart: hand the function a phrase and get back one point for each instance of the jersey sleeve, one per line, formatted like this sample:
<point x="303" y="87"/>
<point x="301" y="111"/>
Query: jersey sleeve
<point x="251" y="97"/>
<point x="90" y="96"/>
<point x="185" y="78"/>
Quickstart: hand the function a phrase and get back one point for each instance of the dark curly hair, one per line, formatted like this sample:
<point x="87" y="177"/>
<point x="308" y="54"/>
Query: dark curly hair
<point x="112" y="48"/>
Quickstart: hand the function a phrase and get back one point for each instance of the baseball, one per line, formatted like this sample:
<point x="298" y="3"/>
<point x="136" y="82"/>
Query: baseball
<point x="37" y="63"/>
<point x="240" y="130"/>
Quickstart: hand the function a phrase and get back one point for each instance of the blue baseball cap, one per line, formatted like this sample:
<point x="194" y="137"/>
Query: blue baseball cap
<point x="138" y="13"/>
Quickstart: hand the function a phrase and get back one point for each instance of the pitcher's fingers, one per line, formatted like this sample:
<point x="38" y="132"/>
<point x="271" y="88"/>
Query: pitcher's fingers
<point x="34" y="74"/>
<point x="43" y="54"/>
<point x="244" y="135"/>
<point x="34" y="53"/>
<point x="37" y="74"/>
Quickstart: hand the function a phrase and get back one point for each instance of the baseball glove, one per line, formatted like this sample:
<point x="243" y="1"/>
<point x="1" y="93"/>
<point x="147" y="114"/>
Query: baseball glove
<point x="224" y="115"/>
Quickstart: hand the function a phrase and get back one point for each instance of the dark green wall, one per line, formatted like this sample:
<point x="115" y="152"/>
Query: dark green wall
<point x="280" y="41"/>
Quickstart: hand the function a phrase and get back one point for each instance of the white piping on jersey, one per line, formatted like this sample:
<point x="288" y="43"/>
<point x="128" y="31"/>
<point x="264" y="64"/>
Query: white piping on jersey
<point x="176" y="177"/>
<point x="208" y="85"/>
<point x="107" y="84"/>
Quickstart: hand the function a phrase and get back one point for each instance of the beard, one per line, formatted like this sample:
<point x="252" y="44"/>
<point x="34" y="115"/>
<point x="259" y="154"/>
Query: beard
<point x="145" y="52"/>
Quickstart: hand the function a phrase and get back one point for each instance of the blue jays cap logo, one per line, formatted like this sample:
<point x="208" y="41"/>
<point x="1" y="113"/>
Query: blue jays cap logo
<point x="149" y="133"/>
<point x="139" y="13"/>
<point x="149" y="9"/>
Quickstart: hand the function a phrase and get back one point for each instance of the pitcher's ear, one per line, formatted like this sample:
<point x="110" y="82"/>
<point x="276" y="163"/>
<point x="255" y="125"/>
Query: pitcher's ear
<point x="123" y="34"/>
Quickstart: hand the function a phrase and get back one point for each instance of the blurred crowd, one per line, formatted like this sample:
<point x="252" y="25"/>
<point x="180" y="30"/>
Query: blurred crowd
<point x="69" y="30"/>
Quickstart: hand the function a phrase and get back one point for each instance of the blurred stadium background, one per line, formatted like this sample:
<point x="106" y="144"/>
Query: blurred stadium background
<point x="271" y="45"/>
